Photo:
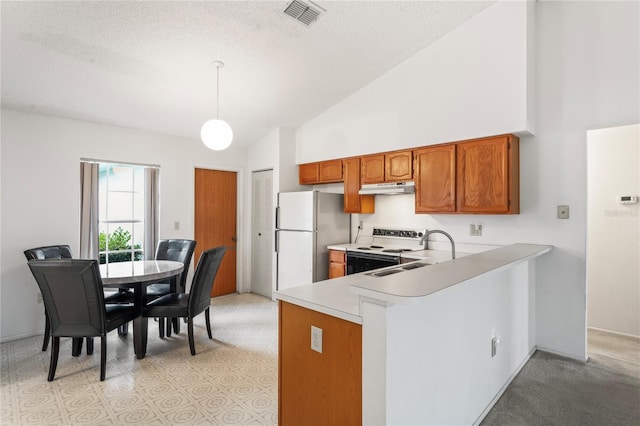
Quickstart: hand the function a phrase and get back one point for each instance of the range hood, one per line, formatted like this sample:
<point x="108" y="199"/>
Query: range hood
<point x="388" y="188"/>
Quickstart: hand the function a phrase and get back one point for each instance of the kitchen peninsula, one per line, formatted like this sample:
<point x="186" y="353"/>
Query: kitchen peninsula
<point x="431" y="345"/>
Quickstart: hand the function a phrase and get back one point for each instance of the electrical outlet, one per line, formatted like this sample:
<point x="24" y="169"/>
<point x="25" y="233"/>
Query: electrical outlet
<point x="316" y="339"/>
<point x="475" y="230"/>
<point x="563" y="212"/>
<point x="176" y="225"/>
<point x="360" y="226"/>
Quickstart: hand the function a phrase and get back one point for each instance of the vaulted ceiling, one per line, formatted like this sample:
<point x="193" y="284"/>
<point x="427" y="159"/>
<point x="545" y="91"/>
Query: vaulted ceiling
<point x="148" y="65"/>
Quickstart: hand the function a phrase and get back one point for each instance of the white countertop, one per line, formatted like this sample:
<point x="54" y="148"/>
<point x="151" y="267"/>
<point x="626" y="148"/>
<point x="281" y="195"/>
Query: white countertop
<point x="340" y="297"/>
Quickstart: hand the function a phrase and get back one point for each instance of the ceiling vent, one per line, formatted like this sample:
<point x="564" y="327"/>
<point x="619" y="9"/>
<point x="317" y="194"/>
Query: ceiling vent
<point x="302" y="12"/>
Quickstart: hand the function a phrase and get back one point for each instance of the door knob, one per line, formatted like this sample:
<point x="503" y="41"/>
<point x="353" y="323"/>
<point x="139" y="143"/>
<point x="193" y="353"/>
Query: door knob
<point x="234" y="239"/>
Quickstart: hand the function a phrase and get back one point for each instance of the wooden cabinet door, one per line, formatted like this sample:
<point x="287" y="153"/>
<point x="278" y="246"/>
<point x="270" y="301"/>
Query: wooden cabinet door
<point x="308" y="174"/>
<point x="398" y="166"/>
<point x="436" y="179"/>
<point x="337" y="264"/>
<point x="330" y="171"/>
<point x="354" y="202"/>
<point x="487" y="175"/>
<point x="372" y="169"/>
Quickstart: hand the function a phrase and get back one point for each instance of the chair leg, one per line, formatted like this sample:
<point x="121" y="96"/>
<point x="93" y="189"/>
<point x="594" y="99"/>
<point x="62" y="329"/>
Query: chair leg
<point x="208" y="322"/>
<point x="161" y="327"/>
<point x="192" y="344"/>
<point x="76" y="346"/>
<point x="47" y="331"/>
<point x="89" y="345"/>
<point x="103" y="357"/>
<point x="176" y="325"/>
<point x="123" y="330"/>
<point x="168" y="325"/>
<point x="55" y="348"/>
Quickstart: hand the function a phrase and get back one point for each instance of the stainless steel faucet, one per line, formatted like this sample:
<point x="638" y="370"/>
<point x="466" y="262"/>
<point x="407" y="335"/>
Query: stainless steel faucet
<point x="425" y="242"/>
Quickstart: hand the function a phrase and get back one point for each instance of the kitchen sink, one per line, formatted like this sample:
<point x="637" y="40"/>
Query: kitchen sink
<point x="398" y="269"/>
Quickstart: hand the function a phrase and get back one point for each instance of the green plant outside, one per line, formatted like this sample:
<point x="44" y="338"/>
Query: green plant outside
<point x="119" y="239"/>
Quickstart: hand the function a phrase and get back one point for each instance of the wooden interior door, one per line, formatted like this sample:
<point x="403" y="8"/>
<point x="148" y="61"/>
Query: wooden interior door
<point x="215" y="223"/>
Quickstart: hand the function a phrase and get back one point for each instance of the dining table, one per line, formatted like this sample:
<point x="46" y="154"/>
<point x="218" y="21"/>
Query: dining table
<point x="137" y="275"/>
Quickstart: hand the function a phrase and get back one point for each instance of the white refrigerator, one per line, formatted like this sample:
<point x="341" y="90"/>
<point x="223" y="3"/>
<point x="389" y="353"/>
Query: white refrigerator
<point x="306" y="223"/>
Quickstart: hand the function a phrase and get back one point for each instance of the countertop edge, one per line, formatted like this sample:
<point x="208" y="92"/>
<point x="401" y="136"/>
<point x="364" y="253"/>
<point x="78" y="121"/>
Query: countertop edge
<point x="496" y="260"/>
<point x="319" y="308"/>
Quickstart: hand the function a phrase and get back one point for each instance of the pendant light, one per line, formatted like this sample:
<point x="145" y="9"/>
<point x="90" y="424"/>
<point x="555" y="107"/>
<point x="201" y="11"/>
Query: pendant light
<point x="216" y="134"/>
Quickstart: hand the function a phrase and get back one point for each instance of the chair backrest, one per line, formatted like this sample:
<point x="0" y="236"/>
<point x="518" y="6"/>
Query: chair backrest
<point x="200" y="292"/>
<point x="49" y="252"/>
<point x="178" y="251"/>
<point x="73" y="296"/>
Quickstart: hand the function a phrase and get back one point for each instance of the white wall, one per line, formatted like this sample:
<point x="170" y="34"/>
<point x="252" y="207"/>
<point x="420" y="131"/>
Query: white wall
<point x="40" y="178"/>
<point x="472" y="82"/>
<point x="613" y="230"/>
<point x="586" y="76"/>
<point x="275" y="151"/>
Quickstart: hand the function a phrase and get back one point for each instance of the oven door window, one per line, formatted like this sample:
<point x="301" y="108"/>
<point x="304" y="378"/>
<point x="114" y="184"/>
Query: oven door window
<point x="362" y="262"/>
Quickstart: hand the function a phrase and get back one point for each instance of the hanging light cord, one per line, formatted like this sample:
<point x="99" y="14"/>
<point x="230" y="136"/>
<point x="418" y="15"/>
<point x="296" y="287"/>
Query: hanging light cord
<point x="217" y="91"/>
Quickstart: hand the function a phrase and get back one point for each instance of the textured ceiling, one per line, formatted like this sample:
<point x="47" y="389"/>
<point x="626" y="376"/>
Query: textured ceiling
<point x="147" y="65"/>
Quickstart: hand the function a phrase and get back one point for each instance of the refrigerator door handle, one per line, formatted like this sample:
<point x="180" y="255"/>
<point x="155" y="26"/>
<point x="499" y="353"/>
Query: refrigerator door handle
<point x="277" y="217"/>
<point x="275" y="239"/>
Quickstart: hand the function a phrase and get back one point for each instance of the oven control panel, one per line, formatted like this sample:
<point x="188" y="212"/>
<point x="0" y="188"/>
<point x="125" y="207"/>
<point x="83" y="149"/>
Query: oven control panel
<point x="414" y="234"/>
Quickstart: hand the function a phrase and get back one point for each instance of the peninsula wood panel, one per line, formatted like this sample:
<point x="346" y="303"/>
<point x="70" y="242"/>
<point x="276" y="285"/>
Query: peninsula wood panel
<point x="318" y="388"/>
<point x="488" y="175"/>
<point x="436" y="179"/>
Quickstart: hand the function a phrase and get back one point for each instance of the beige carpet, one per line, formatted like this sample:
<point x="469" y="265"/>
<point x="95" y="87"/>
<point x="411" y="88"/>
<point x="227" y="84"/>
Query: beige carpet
<point x="231" y="380"/>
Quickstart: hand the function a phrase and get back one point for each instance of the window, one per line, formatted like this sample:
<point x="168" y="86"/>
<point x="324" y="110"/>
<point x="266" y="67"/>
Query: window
<point x="121" y="212"/>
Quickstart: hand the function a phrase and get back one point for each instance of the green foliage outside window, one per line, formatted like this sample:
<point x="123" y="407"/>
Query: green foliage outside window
<point x="119" y="239"/>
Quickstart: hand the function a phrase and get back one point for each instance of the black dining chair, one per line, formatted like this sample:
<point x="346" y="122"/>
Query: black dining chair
<point x="178" y="250"/>
<point x="62" y="251"/>
<point x="73" y="296"/>
<point x="188" y="305"/>
<point x="48" y="252"/>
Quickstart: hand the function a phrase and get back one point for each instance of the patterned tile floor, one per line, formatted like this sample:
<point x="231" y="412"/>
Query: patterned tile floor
<point x="231" y="380"/>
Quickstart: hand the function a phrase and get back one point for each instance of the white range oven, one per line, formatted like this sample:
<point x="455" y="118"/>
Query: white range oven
<point x="384" y="248"/>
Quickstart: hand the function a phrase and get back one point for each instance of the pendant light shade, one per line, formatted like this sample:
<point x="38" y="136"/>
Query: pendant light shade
<point x="216" y="134"/>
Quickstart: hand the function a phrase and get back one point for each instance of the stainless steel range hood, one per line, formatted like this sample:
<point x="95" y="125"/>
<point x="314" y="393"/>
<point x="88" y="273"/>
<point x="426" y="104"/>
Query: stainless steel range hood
<point x="388" y="188"/>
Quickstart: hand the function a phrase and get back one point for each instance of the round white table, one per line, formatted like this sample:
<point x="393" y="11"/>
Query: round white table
<point x="138" y="275"/>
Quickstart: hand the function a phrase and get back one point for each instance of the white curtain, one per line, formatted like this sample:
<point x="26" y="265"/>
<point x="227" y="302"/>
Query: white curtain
<point x="151" y="211"/>
<point x="89" y="210"/>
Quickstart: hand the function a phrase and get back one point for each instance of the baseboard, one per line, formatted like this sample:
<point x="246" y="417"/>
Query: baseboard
<point x="562" y="354"/>
<point x="21" y="336"/>
<point x="504" y="387"/>
<point x="633" y="336"/>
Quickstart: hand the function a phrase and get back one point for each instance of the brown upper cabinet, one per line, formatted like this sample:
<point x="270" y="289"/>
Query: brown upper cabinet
<point x="353" y="201"/>
<point x="372" y="169"/>
<point x="320" y="172"/>
<point x="479" y="176"/>
<point x="436" y="179"/>
<point x="398" y="166"/>
<point x="390" y="167"/>
<point x="489" y="175"/>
